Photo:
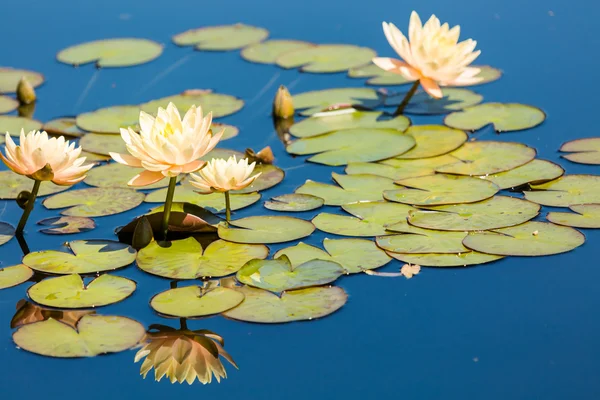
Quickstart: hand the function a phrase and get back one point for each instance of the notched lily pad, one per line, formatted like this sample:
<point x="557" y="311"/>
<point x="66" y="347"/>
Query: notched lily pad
<point x="582" y="151"/>
<point x="122" y="52"/>
<point x="566" y="191"/>
<point x="267" y="52"/>
<point x="66" y="126"/>
<point x="95" y="202"/>
<point x="10" y="77"/>
<point x="14" y="275"/>
<point x="66" y="225"/>
<point x="423" y="104"/>
<point x="446" y="260"/>
<point x="326" y="58"/>
<point x="294" y="202"/>
<point x="12" y="184"/>
<point x="265" y="229"/>
<point x="583" y="216"/>
<point x="504" y="117"/>
<point x="196" y="301"/>
<point x="433" y="141"/>
<point x="110" y="119"/>
<point x="398" y="169"/>
<point x="318" y="100"/>
<point x="218" y="103"/>
<point x="221" y="37"/>
<point x="534" y="172"/>
<point x="13" y="125"/>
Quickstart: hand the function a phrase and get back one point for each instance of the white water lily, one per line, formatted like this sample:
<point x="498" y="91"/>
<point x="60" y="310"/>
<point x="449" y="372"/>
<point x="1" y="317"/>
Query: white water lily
<point x="221" y="175"/>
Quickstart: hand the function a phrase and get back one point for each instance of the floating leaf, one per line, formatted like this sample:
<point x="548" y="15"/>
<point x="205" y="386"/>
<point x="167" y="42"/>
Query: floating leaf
<point x="229" y="131"/>
<point x="504" y="117"/>
<point x="566" y="191"/>
<point x="185" y="259"/>
<point x="326" y="58"/>
<point x="13" y="125"/>
<point x="353" y="145"/>
<point x="95" y="202"/>
<point x="222" y="37"/>
<point x="587" y="216"/>
<point x="423" y="104"/>
<point x="122" y="52"/>
<point x="28" y="313"/>
<point x="12" y="184"/>
<point x="418" y="240"/>
<point x="583" y="151"/>
<point x="529" y="239"/>
<point x="270" y="175"/>
<point x="494" y="213"/>
<point x="214" y="202"/>
<point x="297" y="305"/>
<point x="318" y="100"/>
<point x="103" y="144"/>
<point x="110" y="119"/>
<point x="488" y="157"/>
<point x="535" y="172"/>
<point x="67" y="225"/>
<point x="89" y="256"/>
<point x="195" y="301"/>
<point x="10" y="77"/>
<point x="219" y="104"/>
<point x="92" y="157"/>
<point x="446" y="260"/>
<point x="268" y="52"/>
<point x="117" y="175"/>
<point x="69" y="291"/>
<point x="95" y="335"/>
<point x="63" y="127"/>
<point x="7" y="231"/>
<point x="398" y="169"/>
<point x="433" y="140"/>
<point x="14" y="275"/>
<point x="8" y="104"/>
<point x="294" y="202"/>
<point x="265" y="229"/>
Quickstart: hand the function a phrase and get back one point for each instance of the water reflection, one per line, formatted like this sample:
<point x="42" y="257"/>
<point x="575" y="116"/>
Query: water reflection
<point x="28" y="313"/>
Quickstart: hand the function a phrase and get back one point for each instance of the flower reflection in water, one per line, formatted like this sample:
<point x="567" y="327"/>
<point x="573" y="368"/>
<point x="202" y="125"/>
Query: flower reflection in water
<point x="28" y="313"/>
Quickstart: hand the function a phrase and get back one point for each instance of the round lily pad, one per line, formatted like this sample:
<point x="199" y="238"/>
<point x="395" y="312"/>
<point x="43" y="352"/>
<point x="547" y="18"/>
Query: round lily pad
<point x="529" y="239"/>
<point x="122" y="52"/>
<point x="535" y="172"/>
<point x="504" y="117"/>
<point x="318" y="100"/>
<point x="66" y="225"/>
<point x="488" y="157"/>
<point x="583" y="216"/>
<point x="417" y="240"/>
<point x="12" y="184"/>
<point x="185" y="259"/>
<point x="265" y="229"/>
<point x="347" y="118"/>
<point x="494" y="213"/>
<point x="222" y="37"/>
<point x="582" y="151"/>
<point x="229" y="131"/>
<point x="8" y="104"/>
<point x="195" y="301"/>
<point x="13" y="125"/>
<point x="441" y="189"/>
<point x="69" y="291"/>
<point x="270" y="175"/>
<point x="95" y="202"/>
<point x="14" y="275"/>
<point x="278" y="275"/>
<point x="117" y="175"/>
<point x="353" y="145"/>
<point x="110" y="120"/>
<point x="398" y="169"/>
<point x="10" y="77"/>
<point x="294" y="202"/>
<point x="446" y="260"/>
<point x="89" y="256"/>
<point x="63" y="127"/>
<point x="433" y="140"/>
<point x="326" y="58"/>
<point x="566" y="191"/>
<point x="268" y="52"/>
<point x="94" y="335"/>
<point x="423" y="104"/>
<point x="7" y="231"/>
<point x="103" y="144"/>
<point x="214" y="202"/>
<point x="220" y="105"/>
<point x="266" y="307"/>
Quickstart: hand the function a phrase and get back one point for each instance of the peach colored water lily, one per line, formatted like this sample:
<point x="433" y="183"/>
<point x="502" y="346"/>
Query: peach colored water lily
<point x="431" y="55"/>
<point x="167" y="145"/>
<point x="221" y="175"/>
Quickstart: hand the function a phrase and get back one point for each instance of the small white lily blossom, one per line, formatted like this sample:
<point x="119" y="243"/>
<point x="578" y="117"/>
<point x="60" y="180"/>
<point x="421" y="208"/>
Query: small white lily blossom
<point x="221" y="175"/>
<point x="431" y="55"/>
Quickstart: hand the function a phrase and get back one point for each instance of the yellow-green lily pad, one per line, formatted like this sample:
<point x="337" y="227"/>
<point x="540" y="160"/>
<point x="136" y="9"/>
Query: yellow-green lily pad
<point x="7" y="231"/>
<point x="66" y="126"/>
<point x="504" y="117"/>
<point x="270" y="175"/>
<point x="13" y="125"/>
<point x="66" y="225"/>
<point x="117" y="175"/>
<point x="294" y="202"/>
<point x="265" y="230"/>
<point x="433" y="141"/>
<point x="566" y="191"/>
<point x="326" y="58"/>
<point x="110" y="119"/>
<point x="583" y="216"/>
<point x="417" y="240"/>
<point x="122" y="52"/>
<point x="214" y="202"/>
<point x="229" y="131"/>
<point x="318" y="100"/>
<point x="95" y="202"/>
<point x="398" y="169"/>
<point x="103" y="144"/>
<point x="11" y="184"/>
<point x="219" y="104"/>
<point x="534" y="172"/>
<point x="267" y="52"/>
<point x="14" y="275"/>
<point x="446" y="260"/>
<point x="582" y="151"/>
<point x="8" y="104"/>
<point x="221" y="37"/>
<point x="195" y="301"/>
<point x="10" y="77"/>
<point x="423" y="104"/>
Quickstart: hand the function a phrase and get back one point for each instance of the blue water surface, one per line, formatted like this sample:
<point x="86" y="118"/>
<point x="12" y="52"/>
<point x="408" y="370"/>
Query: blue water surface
<point x="521" y="328"/>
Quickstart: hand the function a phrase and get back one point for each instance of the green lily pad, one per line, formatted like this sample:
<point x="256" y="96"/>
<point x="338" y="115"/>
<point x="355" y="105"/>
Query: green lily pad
<point x="268" y="52"/>
<point x="214" y="202"/>
<point x="326" y="58"/>
<point x="433" y="140"/>
<point x="95" y="202"/>
<point x="354" y="188"/>
<point x="529" y="239"/>
<point x="494" y="213"/>
<point x="583" y="151"/>
<point x="195" y="301"/>
<point x="63" y="127"/>
<point x="7" y="231"/>
<point x="278" y="275"/>
<point x="270" y="175"/>
<point x="89" y="256"/>
<point x="417" y="240"/>
<point x="103" y="144"/>
<point x="354" y="255"/>
<point x="504" y="117"/>
<point x="370" y="218"/>
<point x="122" y="52"/>
<point x="265" y="230"/>
<point x="488" y="157"/>
<point x="566" y="191"/>
<point x="12" y="184"/>
<point x="66" y="225"/>
<point x="117" y="175"/>
<point x="8" y="104"/>
<point x="10" y="77"/>
<point x="398" y="169"/>
<point x="423" y="104"/>
<point x="294" y="202"/>
<point x="535" y="172"/>
<point x="221" y="37"/>
<point x="583" y="216"/>
<point x="347" y="118"/>
<point x="185" y="259"/>
<point x="441" y="189"/>
<point x="266" y="307"/>
<point x="446" y="260"/>
<point x="229" y="131"/>
<point x="96" y="158"/>
<point x="95" y="335"/>
<point x="318" y="100"/>
<point x="110" y="119"/>
<point x="220" y="105"/>
<point x="13" y="125"/>
<point x="353" y="145"/>
<point x="14" y="275"/>
<point x="69" y="291"/>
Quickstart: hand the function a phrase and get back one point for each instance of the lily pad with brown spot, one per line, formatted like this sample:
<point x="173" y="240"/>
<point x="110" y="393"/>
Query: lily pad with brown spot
<point x="398" y="169"/>
<point x="221" y="37"/>
<point x="566" y="191"/>
<point x="583" y="216"/>
<point x="66" y="225"/>
<point x="66" y="126"/>
<point x="8" y="104"/>
<point x="110" y="119"/>
<point x="318" y="100"/>
<point x="95" y="202"/>
<point x="219" y="104"/>
<point x="326" y="58"/>
<point x="267" y="52"/>
<point x="196" y="301"/>
<point x="14" y="124"/>
<point x="446" y="260"/>
<point x="582" y="151"/>
<point x="12" y="184"/>
<point x="433" y="141"/>
<point x="121" y="52"/>
<point x="294" y="202"/>
<point x="505" y="117"/>
<point x="14" y="275"/>
<point x="10" y="77"/>
<point x="265" y="230"/>
<point x="423" y="104"/>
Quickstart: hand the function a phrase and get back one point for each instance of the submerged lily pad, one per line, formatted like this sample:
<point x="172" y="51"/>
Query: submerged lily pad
<point x="504" y="117"/>
<point x="14" y="275"/>
<point x="318" y="100"/>
<point x="535" y="172"/>
<point x="103" y="144"/>
<point x="398" y="169"/>
<point x="417" y="240"/>
<point x="66" y="225"/>
<point x="7" y="231"/>
<point x="117" y="175"/>
<point x="221" y="37"/>
<point x="353" y="145"/>
<point x="214" y="202"/>
<point x="66" y="126"/>
<point x="423" y="104"/>
<point x="268" y="52"/>
<point x="583" y="151"/>
<point x="220" y="105"/>
<point x="95" y="335"/>
<point x="110" y="120"/>
<point x="446" y="260"/>
<point x="122" y="52"/>
<point x="266" y="307"/>
<point x="10" y="77"/>
<point x="433" y="140"/>
<point x="529" y="239"/>
<point x="326" y="58"/>
<point x="13" y="125"/>
<point x="69" y="291"/>
<point x="265" y="229"/>
<point x="185" y="259"/>
<point x="566" y="191"/>
<point x="195" y="301"/>
<point x="12" y="184"/>
<point x="95" y="202"/>
<point x="294" y="202"/>
<point x="583" y="216"/>
<point x="89" y="256"/>
<point x="8" y="104"/>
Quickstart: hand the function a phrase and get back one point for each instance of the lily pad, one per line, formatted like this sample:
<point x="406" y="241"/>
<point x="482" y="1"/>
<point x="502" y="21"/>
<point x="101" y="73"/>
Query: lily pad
<point x="433" y="140"/>
<point x="423" y="104"/>
<point x="566" y="191"/>
<point x="69" y="291"/>
<point x="66" y="225"/>
<point x="89" y="256"/>
<point x="327" y="58"/>
<point x="294" y="202"/>
<point x="417" y="240"/>
<point x="318" y="100"/>
<point x="14" y="275"/>
<point x="13" y="125"/>
<point x="103" y="144"/>
<point x="583" y="216"/>
<point x="353" y="145"/>
<point x="185" y="259"/>
<point x="8" y="104"/>
<point x="10" y="77"/>
<point x="494" y="213"/>
<point x="229" y="131"/>
<point x="398" y="169"/>
<point x="95" y="335"/>
<point x="95" y="202"/>
<point x="441" y="189"/>
<point x="583" y="151"/>
<point x="278" y="275"/>
<point x="266" y="307"/>
<point x="63" y="127"/>
<point x="265" y="229"/>
<point x="110" y="120"/>
<point x="214" y="202"/>
<point x="122" y="52"/>
<point x="7" y="231"/>
<point x="268" y="52"/>
<point x="354" y="255"/>
<point x="488" y="157"/>
<point x="28" y="313"/>
<point x="535" y="172"/>
<point x="529" y="239"/>
<point x="222" y="37"/>
<point x="220" y="105"/>
<point x="270" y="175"/>
<point x="117" y="175"/>
<point x="12" y="184"/>
<point x="195" y="301"/>
<point x="446" y="260"/>
<point x="96" y="158"/>
<point x="504" y="117"/>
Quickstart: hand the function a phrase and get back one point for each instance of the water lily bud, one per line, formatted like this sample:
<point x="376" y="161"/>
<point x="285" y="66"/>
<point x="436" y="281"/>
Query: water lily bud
<point x="25" y="92"/>
<point x="282" y="127"/>
<point x="283" y="105"/>
<point x="142" y="235"/>
<point x="43" y="174"/>
<point x="265" y="156"/>
<point x="26" y="110"/>
<point x="23" y="198"/>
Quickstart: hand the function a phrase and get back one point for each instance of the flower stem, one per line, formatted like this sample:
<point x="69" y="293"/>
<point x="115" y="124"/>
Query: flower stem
<point x="227" y="207"/>
<point x="29" y="206"/>
<point x="406" y="100"/>
<point x="183" y="324"/>
<point x="168" y="204"/>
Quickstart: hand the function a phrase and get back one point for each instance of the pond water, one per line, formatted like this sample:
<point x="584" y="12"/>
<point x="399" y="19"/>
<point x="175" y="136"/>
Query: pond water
<point x="519" y="328"/>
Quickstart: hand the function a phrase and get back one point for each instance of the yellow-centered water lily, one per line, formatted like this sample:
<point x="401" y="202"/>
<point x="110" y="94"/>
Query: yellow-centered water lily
<point x="221" y="175"/>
